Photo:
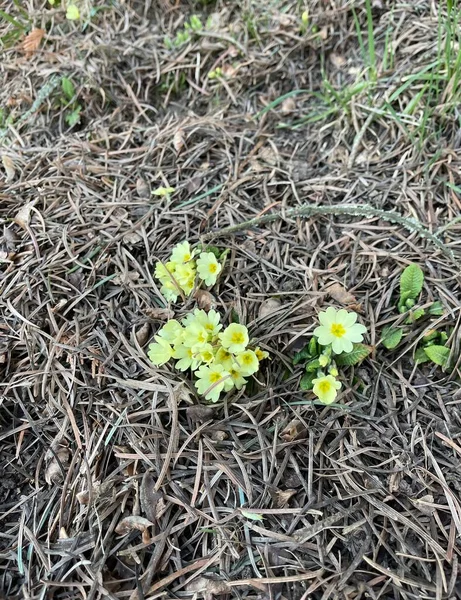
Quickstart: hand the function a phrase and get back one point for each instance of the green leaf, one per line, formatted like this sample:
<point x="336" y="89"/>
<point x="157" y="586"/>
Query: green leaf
<point x="436" y="309"/>
<point x="438" y="354"/>
<point x="411" y="281"/>
<point x="359" y="353"/>
<point x="403" y="301"/>
<point x="73" y="117"/>
<point x="68" y="88"/>
<point x="301" y="356"/>
<point x="306" y="381"/>
<point x="312" y="366"/>
<point x="391" y="337"/>
<point x="313" y="347"/>
<point x="421" y="356"/>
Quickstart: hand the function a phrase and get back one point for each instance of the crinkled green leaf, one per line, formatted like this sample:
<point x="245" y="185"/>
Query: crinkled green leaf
<point x="312" y="366"/>
<point x="359" y="353"/>
<point x="68" y="88"/>
<point x="436" y="309"/>
<point x="313" y="347"/>
<point x="391" y="337"/>
<point x="301" y="356"/>
<point x="438" y="354"/>
<point x="421" y="356"/>
<point x="411" y="281"/>
<point x="306" y="381"/>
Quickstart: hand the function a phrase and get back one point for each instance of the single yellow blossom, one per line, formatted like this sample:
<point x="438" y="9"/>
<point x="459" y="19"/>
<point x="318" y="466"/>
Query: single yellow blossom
<point x="171" y="331"/>
<point x="261" y="354"/>
<point x="182" y="253"/>
<point x="224" y="358"/>
<point x="339" y="328"/>
<point x="236" y="379"/>
<point x="195" y="336"/>
<point x="209" y="320"/>
<point x="72" y="13"/>
<point x="187" y="358"/>
<point x="211" y="380"/>
<point x="326" y="388"/>
<point x="160" y="352"/>
<point x="208" y="268"/>
<point x="206" y="353"/>
<point x="163" y="191"/>
<point x="234" y="338"/>
<point x="248" y="362"/>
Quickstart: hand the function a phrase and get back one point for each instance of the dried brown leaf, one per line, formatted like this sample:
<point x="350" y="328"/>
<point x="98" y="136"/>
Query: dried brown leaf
<point x="159" y="314"/>
<point x="205" y="300"/>
<point x="142" y="335"/>
<point x="142" y="188"/>
<point x="178" y="140"/>
<point x="268" y="307"/>
<point x="22" y="217"/>
<point x="32" y="41"/>
<point x="149" y="496"/>
<point x="337" y="60"/>
<point x="208" y="587"/>
<point x="57" y="459"/>
<point x="339" y="293"/>
<point x="9" y="167"/>
<point x="295" y="430"/>
<point x="288" y="106"/>
<point x="282" y="497"/>
<point x="127" y="525"/>
<point x="199" y="412"/>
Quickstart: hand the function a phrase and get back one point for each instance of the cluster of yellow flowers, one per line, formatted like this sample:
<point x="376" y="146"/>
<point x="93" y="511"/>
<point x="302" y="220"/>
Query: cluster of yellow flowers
<point x="338" y="332"/>
<point x="179" y="273"/>
<point x="221" y="360"/>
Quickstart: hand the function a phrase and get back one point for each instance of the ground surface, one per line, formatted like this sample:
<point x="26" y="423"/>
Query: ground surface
<point x="357" y="501"/>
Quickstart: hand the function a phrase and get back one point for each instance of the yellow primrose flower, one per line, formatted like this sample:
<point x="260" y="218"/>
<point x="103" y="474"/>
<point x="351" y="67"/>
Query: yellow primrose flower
<point x="339" y="328"/>
<point x="208" y="268"/>
<point x="248" y="362"/>
<point x="184" y="272"/>
<point x="261" y="354"/>
<point x="209" y="320"/>
<point x="73" y="12"/>
<point x="195" y="336"/>
<point x="163" y="191"/>
<point x="185" y="276"/>
<point x="187" y="358"/>
<point x="206" y="353"/>
<point x="236" y="379"/>
<point x="161" y="270"/>
<point x="224" y="358"/>
<point x="171" y="332"/>
<point x="211" y="380"/>
<point x="160" y="352"/>
<point x="326" y="388"/>
<point x="234" y="338"/>
<point x="182" y="253"/>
